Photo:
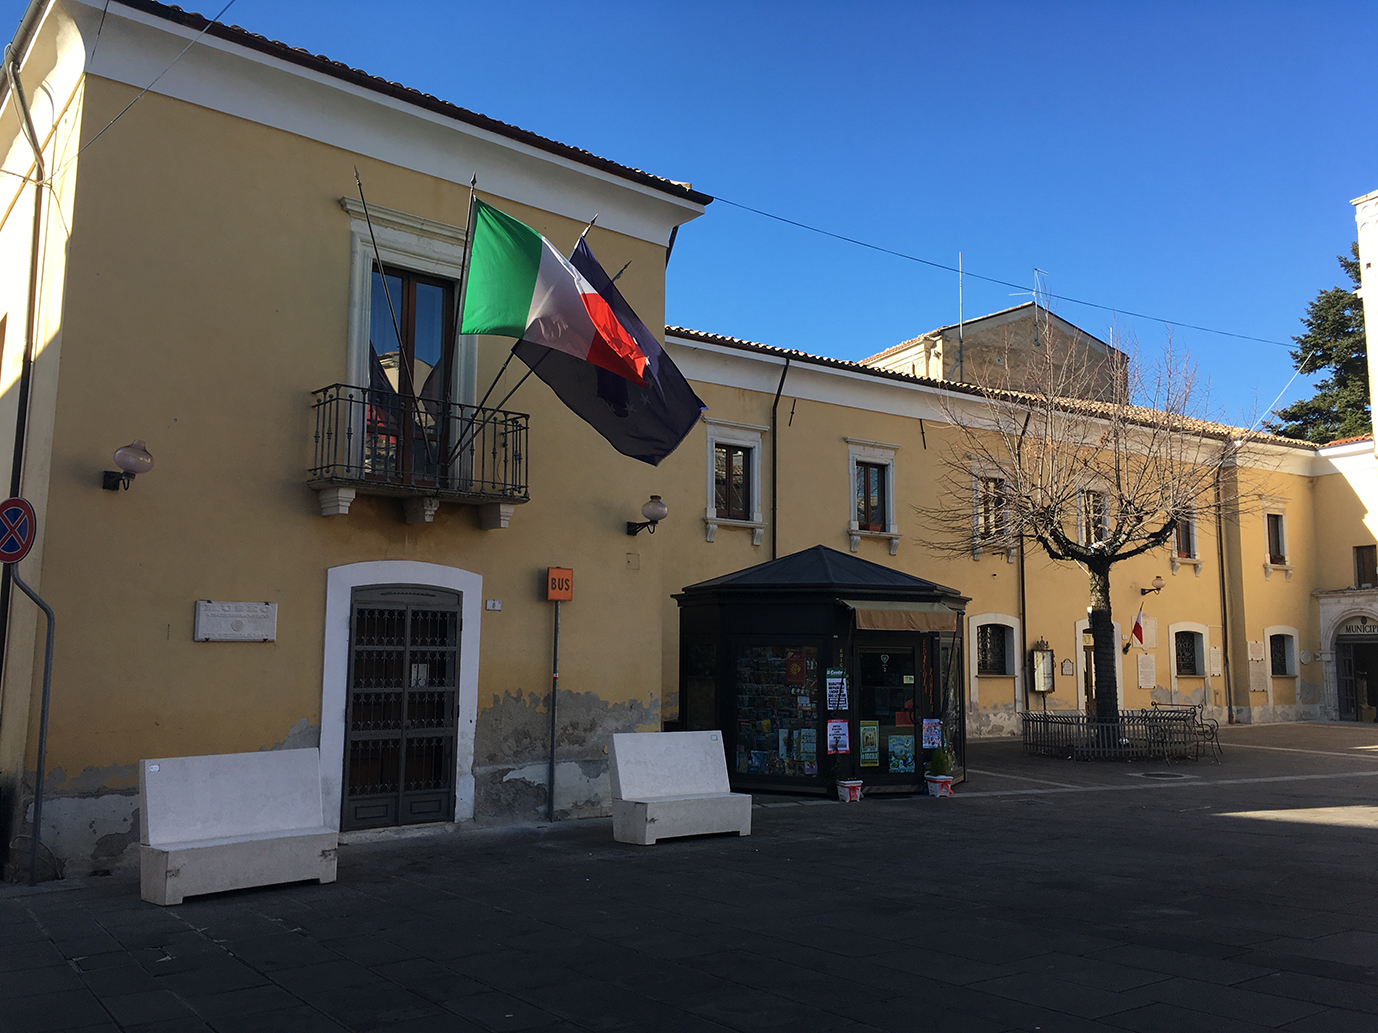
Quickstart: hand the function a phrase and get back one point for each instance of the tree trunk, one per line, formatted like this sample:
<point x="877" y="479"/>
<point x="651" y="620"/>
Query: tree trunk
<point x="1105" y="646"/>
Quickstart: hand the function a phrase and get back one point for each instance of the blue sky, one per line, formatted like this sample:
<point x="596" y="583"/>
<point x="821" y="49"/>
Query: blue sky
<point x="1190" y="161"/>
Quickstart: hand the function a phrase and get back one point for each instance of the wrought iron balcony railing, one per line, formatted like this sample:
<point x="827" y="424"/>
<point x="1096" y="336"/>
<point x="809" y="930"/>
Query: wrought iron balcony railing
<point x="380" y="442"/>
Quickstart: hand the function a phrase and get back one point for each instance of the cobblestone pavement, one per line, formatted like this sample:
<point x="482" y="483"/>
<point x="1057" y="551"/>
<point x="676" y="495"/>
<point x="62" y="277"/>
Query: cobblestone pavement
<point x="1047" y="895"/>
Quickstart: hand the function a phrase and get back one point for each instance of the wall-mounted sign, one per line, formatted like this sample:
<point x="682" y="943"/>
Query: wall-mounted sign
<point x="1068" y="669"/>
<point x="235" y="622"/>
<point x="932" y="733"/>
<point x="870" y="744"/>
<point x="1360" y="626"/>
<point x="17" y="529"/>
<point x="1217" y="662"/>
<point x="838" y="741"/>
<point x="1148" y="670"/>
<point x="559" y="584"/>
<point x="837" y="689"/>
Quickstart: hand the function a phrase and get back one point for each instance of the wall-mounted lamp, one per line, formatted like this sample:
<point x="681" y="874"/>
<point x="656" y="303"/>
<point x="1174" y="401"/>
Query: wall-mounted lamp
<point x="1156" y="586"/>
<point x="654" y="511"/>
<point x="132" y="459"/>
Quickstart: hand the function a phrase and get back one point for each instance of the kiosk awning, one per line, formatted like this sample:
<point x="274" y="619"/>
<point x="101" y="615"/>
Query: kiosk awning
<point x="894" y="615"/>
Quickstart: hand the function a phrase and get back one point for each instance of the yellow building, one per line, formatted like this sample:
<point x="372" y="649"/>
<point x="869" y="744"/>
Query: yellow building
<point x="195" y="272"/>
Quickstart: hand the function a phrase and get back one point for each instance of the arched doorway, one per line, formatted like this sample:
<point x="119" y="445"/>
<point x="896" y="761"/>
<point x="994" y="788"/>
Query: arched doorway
<point x="445" y="650"/>
<point x="1356" y="669"/>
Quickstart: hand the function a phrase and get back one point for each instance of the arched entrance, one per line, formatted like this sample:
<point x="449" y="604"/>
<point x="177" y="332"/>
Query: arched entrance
<point x="451" y="600"/>
<point x="1349" y="654"/>
<point x="1356" y="669"/>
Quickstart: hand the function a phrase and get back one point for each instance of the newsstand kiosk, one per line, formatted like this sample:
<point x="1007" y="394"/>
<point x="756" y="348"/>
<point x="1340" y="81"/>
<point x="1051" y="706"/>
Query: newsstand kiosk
<point x="820" y="667"/>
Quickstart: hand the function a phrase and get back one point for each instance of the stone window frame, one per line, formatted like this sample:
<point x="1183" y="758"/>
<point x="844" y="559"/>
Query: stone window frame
<point x="743" y="435"/>
<point x="1276" y="507"/>
<point x="1359" y="583"/>
<point x="1175" y="559"/>
<point x="996" y="543"/>
<point x="1293" y="637"/>
<point x="1013" y="659"/>
<point x="1083" y="499"/>
<point x="1083" y="626"/>
<point x="414" y="244"/>
<point x="1203" y="658"/>
<point x="881" y="453"/>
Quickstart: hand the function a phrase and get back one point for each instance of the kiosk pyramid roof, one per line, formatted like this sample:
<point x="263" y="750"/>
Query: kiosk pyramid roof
<point x="824" y="569"/>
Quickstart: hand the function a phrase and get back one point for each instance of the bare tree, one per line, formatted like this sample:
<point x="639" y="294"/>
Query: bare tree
<point x="1093" y="482"/>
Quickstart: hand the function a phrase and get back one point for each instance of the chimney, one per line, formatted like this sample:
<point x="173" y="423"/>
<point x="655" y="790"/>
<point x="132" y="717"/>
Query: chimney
<point x="1366" y="215"/>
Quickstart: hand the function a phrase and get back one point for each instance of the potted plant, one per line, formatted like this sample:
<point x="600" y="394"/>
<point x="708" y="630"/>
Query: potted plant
<point x="938" y="772"/>
<point x="848" y="789"/>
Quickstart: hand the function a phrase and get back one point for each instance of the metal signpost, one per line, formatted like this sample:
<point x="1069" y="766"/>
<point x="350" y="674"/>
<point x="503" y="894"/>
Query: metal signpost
<point x="559" y="588"/>
<point x="17" y="529"/>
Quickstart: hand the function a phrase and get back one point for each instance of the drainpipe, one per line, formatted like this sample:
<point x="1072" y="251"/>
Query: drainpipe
<point x="11" y="63"/>
<point x="31" y="313"/>
<point x="775" y="466"/>
<point x="1224" y="605"/>
<point x="1024" y="630"/>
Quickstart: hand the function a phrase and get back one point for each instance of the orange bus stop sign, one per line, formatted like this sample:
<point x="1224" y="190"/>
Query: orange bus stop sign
<point x="559" y="584"/>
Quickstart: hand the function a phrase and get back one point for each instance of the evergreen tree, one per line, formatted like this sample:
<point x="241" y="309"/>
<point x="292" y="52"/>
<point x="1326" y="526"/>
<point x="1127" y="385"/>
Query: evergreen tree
<point x="1334" y="342"/>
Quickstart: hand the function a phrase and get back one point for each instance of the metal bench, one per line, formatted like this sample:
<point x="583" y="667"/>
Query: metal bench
<point x="1204" y="731"/>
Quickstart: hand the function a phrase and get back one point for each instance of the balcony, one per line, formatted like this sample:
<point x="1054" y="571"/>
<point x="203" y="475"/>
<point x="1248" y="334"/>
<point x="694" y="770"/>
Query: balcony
<point x="421" y="450"/>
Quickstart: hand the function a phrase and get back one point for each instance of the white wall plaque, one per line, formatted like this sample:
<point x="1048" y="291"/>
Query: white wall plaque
<point x="1148" y="671"/>
<point x="1150" y="627"/>
<point x="235" y="622"/>
<point x="1215" y="662"/>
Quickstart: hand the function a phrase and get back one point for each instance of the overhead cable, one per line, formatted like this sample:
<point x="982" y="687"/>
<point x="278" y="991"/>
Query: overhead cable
<point x="993" y="279"/>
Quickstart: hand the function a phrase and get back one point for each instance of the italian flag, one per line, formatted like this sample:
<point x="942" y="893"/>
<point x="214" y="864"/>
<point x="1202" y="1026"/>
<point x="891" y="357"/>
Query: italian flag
<point x="520" y="286"/>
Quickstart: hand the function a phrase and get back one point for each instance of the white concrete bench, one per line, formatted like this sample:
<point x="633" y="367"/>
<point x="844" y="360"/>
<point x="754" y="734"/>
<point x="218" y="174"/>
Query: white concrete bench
<point x="230" y="821"/>
<point x="673" y="784"/>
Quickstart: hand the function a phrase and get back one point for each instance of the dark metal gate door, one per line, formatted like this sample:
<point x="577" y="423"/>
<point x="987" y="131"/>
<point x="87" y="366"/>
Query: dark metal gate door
<point x="1349" y="709"/>
<point x="400" y="720"/>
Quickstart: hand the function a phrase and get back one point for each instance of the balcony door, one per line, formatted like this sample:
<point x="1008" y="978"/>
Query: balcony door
<point x="411" y="376"/>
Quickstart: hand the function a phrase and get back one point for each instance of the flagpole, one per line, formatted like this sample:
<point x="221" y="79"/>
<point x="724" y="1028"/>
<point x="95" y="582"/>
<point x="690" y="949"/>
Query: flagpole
<point x="396" y="328"/>
<point x="488" y="419"/>
<point x="510" y="356"/>
<point x="460" y="296"/>
<point x="468" y="254"/>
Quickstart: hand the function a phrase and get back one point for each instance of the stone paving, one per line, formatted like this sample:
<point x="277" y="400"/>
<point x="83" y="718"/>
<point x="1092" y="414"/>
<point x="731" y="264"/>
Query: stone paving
<point x="1047" y="895"/>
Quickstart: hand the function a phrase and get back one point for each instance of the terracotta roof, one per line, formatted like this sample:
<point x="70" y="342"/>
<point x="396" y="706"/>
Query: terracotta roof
<point x="1137" y="414"/>
<point x="337" y="70"/>
<point x="1348" y="441"/>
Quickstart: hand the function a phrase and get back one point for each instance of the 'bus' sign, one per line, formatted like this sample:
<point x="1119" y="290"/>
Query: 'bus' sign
<point x="559" y="584"/>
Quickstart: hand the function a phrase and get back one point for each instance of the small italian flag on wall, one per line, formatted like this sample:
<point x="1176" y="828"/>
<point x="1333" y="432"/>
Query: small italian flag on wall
<point x="520" y="286"/>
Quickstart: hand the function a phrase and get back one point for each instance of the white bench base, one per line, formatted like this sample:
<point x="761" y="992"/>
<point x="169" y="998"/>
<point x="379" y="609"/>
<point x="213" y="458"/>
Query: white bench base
<point x="171" y="871"/>
<point x="644" y="821"/>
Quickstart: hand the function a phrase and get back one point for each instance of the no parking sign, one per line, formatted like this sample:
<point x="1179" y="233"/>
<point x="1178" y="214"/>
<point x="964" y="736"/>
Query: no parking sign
<point x="17" y="529"/>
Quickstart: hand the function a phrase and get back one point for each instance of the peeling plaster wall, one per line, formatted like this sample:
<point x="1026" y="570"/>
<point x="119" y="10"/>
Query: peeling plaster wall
<point x="1263" y="715"/>
<point x="301" y="736"/>
<point x="1001" y="719"/>
<point x="91" y="820"/>
<point x="88" y="833"/>
<point x="512" y="754"/>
